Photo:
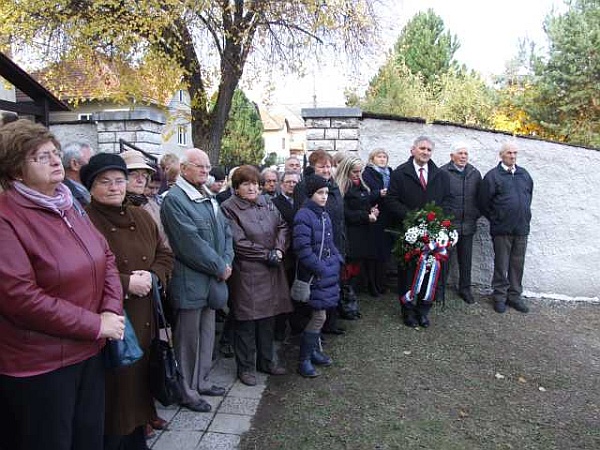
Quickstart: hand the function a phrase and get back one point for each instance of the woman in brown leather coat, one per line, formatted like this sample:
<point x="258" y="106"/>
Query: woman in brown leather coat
<point x="258" y="286"/>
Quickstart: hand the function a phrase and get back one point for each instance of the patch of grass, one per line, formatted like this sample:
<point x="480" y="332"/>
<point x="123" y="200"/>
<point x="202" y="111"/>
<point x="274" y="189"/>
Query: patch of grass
<point x="474" y="380"/>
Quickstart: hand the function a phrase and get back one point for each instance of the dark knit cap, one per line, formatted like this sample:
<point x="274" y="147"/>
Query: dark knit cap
<point x="313" y="183"/>
<point x="99" y="163"/>
<point x="218" y="173"/>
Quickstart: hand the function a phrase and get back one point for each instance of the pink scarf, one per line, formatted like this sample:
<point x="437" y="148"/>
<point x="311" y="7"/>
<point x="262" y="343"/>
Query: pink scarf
<point x="59" y="203"/>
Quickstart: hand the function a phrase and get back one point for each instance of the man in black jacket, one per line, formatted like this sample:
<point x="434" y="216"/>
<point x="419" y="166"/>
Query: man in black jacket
<point x="412" y="185"/>
<point x="465" y="181"/>
<point x="505" y="200"/>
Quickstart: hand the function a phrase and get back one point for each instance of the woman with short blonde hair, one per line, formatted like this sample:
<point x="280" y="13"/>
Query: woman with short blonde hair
<point x="377" y="175"/>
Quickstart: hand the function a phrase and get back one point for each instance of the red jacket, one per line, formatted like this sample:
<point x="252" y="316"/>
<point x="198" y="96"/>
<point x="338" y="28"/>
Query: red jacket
<point x="56" y="275"/>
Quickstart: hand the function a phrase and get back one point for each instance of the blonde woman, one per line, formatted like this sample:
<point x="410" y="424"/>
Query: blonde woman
<point x="377" y="176"/>
<point x="360" y="213"/>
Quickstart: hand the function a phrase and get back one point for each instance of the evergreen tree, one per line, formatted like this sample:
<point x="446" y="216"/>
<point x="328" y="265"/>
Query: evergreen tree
<point x="567" y="81"/>
<point x="421" y="78"/>
<point x="242" y="141"/>
<point x="425" y="47"/>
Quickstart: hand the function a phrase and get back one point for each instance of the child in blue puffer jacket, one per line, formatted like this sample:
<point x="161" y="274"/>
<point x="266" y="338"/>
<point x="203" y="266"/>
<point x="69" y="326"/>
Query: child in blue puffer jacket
<point x="312" y="230"/>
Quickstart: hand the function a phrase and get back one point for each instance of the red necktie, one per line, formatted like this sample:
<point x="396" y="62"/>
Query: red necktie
<point x="422" y="179"/>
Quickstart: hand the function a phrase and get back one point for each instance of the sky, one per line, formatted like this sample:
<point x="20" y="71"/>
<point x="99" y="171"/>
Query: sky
<point x="488" y="32"/>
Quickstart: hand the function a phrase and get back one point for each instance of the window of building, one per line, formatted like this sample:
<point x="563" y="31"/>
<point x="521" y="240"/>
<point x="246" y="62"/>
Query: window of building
<point x="181" y="135"/>
<point x="181" y="96"/>
<point x="282" y="143"/>
<point x="87" y="117"/>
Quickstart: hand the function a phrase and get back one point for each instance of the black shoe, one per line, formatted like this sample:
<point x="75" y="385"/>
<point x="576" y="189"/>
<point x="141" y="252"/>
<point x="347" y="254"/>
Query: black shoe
<point x="519" y="305"/>
<point x="348" y="316"/>
<point x="408" y="317"/>
<point x="467" y="297"/>
<point x="334" y="331"/>
<point x="500" y="307"/>
<point x="213" y="391"/>
<point x="274" y="370"/>
<point x="199" y="406"/>
<point x="424" y="321"/>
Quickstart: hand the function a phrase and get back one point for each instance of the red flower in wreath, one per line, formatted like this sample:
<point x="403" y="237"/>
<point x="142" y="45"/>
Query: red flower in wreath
<point x="425" y="239"/>
<point x="446" y="223"/>
<point x="430" y="216"/>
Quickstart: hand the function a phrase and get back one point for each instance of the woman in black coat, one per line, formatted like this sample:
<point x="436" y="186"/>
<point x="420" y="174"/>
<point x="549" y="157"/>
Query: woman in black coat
<point x="377" y="177"/>
<point x="359" y="215"/>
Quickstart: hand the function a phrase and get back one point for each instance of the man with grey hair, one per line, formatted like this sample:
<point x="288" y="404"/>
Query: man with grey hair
<point x="75" y="156"/>
<point x="268" y="181"/>
<point x="412" y="185"/>
<point x="7" y="117"/>
<point x="505" y="200"/>
<point x="293" y="164"/>
<point x="201" y="240"/>
<point x="465" y="181"/>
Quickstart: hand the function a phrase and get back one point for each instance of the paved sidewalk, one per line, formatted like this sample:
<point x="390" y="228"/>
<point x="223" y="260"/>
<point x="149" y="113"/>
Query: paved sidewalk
<point x="220" y="429"/>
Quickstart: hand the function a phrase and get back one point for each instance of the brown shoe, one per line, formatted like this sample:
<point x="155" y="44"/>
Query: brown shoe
<point x="158" y="423"/>
<point x="275" y="370"/>
<point x="149" y="431"/>
<point x="249" y="379"/>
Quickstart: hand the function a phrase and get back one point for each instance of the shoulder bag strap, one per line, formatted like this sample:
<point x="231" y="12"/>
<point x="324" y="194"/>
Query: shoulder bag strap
<point x="320" y="250"/>
<point x="159" y="315"/>
<point x="322" y="237"/>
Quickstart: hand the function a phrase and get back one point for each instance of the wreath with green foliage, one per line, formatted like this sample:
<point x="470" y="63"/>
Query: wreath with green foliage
<point x="425" y="231"/>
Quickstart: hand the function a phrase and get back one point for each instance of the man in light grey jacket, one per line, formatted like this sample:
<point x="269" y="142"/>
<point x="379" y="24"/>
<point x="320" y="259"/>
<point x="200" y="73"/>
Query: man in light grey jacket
<point x="201" y="241"/>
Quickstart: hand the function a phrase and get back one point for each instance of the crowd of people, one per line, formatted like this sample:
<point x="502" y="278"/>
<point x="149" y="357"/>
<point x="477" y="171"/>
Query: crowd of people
<point x="82" y="236"/>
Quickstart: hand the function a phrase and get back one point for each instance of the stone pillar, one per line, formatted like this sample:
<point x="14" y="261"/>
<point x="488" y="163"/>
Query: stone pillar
<point x="332" y="129"/>
<point x="140" y="127"/>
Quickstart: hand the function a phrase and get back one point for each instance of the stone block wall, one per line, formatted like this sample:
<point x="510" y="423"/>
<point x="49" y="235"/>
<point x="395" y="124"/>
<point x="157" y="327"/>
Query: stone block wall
<point x="71" y="132"/>
<point x="142" y="128"/>
<point x="332" y="129"/>
<point x="562" y="248"/>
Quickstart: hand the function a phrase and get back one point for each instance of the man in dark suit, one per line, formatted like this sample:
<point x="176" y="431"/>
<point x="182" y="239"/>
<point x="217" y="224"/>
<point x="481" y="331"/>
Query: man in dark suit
<point x="284" y="202"/>
<point x="412" y="185"/>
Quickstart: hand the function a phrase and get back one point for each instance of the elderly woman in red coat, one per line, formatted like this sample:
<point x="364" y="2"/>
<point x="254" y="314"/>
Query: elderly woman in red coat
<point x="258" y="285"/>
<point x="60" y="298"/>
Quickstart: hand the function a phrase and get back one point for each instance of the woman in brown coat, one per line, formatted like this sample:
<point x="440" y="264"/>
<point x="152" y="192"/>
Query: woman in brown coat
<point x="134" y="239"/>
<point x="258" y="286"/>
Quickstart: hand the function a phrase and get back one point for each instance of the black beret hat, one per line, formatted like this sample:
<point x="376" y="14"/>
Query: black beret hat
<point x="99" y="163"/>
<point x="218" y="173"/>
<point x="313" y="183"/>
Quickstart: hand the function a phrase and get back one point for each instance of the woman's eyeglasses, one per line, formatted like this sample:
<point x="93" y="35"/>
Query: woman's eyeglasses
<point x="46" y="157"/>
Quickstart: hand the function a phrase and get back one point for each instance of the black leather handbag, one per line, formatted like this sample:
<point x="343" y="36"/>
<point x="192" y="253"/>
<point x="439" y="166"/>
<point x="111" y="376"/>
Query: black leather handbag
<point x="165" y="377"/>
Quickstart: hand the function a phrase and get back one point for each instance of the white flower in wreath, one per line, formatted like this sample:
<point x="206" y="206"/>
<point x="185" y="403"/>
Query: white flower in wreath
<point x="430" y="261"/>
<point x="453" y="237"/>
<point x="411" y="235"/>
<point x="442" y="239"/>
